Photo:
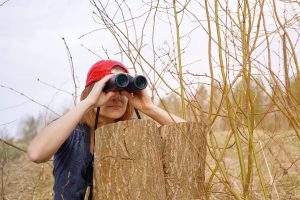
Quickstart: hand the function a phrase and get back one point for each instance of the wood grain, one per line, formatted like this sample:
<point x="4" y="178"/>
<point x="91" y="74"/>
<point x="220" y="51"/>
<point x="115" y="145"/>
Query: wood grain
<point x="136" y="160"/>
<point x="184" y="151"/>
<point x="128" y="161"/>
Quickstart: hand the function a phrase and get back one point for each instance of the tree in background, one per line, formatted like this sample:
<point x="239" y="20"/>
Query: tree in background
<point x="171" y="103"/>
<point x="29" y="127"/>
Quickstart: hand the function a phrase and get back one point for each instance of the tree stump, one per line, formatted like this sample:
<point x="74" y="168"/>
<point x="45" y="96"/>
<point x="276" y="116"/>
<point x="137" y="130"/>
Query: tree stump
<point x="184" y="152"/>
<point x="136" y="160"/>
<point x="127" y="162"/>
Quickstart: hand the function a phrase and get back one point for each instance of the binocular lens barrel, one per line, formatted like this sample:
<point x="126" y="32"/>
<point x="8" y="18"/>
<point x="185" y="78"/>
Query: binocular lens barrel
<point x="122" y="80"/>
<point x="140" y="82"/>
<point x="126" y="82"/>
<point x="117" y="82"/>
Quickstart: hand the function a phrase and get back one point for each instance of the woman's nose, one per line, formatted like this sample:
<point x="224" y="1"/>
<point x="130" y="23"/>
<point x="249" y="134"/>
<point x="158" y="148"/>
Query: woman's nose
<point x="117" y="95"/>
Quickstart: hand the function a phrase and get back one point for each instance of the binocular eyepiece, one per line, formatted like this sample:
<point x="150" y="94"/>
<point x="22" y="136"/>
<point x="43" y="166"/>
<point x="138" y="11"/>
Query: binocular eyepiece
<point x="126" y="82"/>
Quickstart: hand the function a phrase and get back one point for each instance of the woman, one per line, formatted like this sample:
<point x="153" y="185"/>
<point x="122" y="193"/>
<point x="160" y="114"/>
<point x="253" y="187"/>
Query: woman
<point x="71" y="137"/>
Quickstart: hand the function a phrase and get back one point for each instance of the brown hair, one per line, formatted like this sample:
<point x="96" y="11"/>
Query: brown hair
<point x="90" y="117"/>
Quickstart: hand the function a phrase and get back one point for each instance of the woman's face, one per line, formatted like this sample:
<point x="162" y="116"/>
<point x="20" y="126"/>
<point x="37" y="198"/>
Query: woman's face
<point x="116" y="106"/>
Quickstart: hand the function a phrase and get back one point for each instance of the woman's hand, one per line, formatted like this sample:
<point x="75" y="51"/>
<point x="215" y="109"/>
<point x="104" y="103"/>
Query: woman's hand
<point x="140" y="100"/>
<point x="97" y="97"/>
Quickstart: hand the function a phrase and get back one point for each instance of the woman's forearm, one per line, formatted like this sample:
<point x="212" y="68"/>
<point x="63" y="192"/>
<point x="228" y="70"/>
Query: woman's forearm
<point x="45" y="144"/>
<point x="162" y="116"/>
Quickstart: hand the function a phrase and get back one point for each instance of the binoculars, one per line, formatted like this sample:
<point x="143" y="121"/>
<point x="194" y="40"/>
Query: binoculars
<point x="126" y="82"/>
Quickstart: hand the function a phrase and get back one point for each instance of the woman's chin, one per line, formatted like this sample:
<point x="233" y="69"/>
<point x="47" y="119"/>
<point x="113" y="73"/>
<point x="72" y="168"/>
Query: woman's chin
<point x="113" y="116"/>
<point x="110" y="114"/>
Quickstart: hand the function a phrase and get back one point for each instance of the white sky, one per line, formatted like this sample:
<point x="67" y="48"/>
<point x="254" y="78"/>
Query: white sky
<point x="31" y="48"/>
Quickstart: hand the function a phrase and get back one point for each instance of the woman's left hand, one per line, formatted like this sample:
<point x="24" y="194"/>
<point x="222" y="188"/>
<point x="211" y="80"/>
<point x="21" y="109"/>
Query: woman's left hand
<point x="140" y="100"/>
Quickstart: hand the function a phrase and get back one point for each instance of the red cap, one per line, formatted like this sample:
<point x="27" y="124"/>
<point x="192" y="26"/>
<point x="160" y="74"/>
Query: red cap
<point x="101" y="69"/>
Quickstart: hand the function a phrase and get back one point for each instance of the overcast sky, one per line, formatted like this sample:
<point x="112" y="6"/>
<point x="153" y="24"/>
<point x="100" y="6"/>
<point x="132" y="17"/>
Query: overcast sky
<point x="31" y="48"/>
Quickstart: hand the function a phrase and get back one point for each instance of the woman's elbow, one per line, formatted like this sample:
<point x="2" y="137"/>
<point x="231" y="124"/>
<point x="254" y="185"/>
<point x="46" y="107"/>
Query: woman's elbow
<point x="35" y="156"/>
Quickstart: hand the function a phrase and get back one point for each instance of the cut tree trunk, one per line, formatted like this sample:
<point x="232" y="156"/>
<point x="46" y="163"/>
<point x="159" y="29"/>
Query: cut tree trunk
<point x="128" y="161"/>
<point x="136" y="160"/>
<point x="184" y="150"/>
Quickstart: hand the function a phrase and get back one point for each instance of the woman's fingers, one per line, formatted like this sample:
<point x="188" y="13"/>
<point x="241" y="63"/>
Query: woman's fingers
<point x="128" y="95"/>
<point x="97" y="96"/>
<point x="109" y="95"/>
<point x="139" y="100"/>
<point x="100" y="84"/>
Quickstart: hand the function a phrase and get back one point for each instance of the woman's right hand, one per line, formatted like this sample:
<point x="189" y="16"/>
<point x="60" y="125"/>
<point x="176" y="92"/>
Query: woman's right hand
<point x="45" y="144"/>
<point x="97" y="97"/>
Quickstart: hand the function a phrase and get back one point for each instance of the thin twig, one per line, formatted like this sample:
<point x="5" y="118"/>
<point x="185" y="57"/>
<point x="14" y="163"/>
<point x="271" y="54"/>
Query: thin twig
<point x="72" y="71"/>
<point x="22" y="94"/>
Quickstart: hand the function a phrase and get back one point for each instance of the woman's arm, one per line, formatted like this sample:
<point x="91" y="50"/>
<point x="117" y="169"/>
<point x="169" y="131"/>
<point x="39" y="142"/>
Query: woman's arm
<point x="45" y="144"/>
<point x="142" y="102"/>
<point x="161" y="116"/>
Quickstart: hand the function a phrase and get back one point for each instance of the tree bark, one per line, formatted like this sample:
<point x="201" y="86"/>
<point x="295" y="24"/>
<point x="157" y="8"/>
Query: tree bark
<point x="128" y="162"/>
<point x="137" y="160"/>
<point x="184" y="152"/>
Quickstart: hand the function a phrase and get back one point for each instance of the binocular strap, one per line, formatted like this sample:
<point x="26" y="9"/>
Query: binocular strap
<point x="137" y="113"/>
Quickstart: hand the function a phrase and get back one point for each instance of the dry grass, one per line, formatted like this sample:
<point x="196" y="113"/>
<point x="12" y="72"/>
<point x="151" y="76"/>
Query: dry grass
<point x="279" y="158"/>
<point x="26" y="180"/>
<point x="278" y="153"/>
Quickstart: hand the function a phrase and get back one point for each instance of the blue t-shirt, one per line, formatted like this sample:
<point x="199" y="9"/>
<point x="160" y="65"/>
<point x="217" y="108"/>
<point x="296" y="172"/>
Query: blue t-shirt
<point x="73" y="166"/>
